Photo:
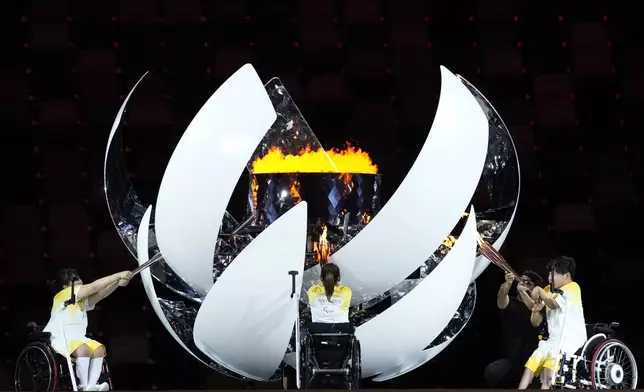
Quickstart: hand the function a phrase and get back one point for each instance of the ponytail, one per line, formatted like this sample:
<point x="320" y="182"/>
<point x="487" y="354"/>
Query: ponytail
<point x="330" y="277"/>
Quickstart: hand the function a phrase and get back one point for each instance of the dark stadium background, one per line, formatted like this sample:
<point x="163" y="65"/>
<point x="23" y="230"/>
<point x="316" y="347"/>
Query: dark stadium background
<point x="567" y="78"/>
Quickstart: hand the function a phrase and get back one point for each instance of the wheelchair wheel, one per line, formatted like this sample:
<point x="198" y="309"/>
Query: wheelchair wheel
<point x="356" y="367"/>
<point x="36" y="369"/>
<point x="305" y="368"/>
<point x="613" y="366"/>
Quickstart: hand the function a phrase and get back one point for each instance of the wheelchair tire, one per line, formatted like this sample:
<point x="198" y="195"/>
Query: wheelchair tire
<point x="305" y="368"/>
<point x="36" y="355"/>
<point x="595" y="372"/>
<point x="356" y="367"/>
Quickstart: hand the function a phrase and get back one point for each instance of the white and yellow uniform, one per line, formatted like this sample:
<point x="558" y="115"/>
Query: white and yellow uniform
<point x="566" y="329"/>
<point x="325" y="311"/>
<point x="71" y="319"/>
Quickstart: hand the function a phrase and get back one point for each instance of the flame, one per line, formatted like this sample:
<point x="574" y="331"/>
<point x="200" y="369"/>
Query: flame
<point x="296" y="195"/>
<point x="349" y="160"/>
<point x="322" y="248"/>
<point x="254" y="187"/>
<point x="366" y="218"/>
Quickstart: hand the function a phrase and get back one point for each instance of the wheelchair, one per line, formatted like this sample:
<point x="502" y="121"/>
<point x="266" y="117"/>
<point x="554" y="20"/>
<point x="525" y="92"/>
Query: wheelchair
<point x="40" y="368"/>
<point x="602" y="363"/>
<point x="330" y="357"/>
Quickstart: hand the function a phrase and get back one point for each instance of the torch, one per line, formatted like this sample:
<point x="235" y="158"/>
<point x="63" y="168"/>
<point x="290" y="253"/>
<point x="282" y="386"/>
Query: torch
<point x="495" y="257"/>
<point x="156" y="258"/>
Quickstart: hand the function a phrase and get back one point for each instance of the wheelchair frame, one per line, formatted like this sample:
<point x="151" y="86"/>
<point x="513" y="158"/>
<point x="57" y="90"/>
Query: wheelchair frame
<point x="60" y="372"/>
<point x="351" y="366"/>
<point x="580" y="370"/>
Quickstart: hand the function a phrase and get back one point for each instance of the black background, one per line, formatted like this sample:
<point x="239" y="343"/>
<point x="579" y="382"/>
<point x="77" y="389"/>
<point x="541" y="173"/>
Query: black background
<point x="565" y="76"/>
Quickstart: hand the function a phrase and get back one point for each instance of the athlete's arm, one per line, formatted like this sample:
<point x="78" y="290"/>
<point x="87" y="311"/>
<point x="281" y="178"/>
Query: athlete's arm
<point x="87" y="290"/>
<point x="502" y="298"/>
<point x="525" y="296"/>
<point x="547" y="298"/>
<point x="536" y="318"/>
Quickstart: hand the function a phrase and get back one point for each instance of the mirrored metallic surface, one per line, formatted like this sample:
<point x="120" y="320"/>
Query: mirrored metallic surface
<point x="340" y="206"/>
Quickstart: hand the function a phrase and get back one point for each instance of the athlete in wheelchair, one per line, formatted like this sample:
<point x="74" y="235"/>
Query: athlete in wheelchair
<point x="568" y="359"/>
<point x="330" y="352"/>
<point x="46" y="364"/>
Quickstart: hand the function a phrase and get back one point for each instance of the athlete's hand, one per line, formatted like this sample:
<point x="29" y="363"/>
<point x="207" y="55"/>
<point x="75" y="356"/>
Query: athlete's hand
<point x="538" y="305"/>
<point x="509" y="278"/>
<point x="124" y="278"/>
<point x="524" y="289"/>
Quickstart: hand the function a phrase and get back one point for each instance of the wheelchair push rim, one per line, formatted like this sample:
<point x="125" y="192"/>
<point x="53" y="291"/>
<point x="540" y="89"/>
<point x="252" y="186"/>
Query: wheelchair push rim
<point x="613" y="366"/>
<point x="35" y="369"/>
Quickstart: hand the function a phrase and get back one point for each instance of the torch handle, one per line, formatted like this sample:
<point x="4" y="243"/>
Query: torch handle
<point x="155" y="259"/>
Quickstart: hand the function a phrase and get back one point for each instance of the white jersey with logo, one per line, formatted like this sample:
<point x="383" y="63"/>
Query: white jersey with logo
<point x="334" y="311"/>
<point x="67" y="324"/>
<point x="567" y="323"/>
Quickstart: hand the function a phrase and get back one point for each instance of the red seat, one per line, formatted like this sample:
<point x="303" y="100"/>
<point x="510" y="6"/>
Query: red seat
<point x="58" y="113"/>
<point x="20" y="228"/>
<point x="412" y="36"/>
<point x="68" y="234"/>
<point x="14" y="104"/>
<point x="574" y="217"/>
<point x="48" y="11"/>
<point x="407" y="11"/>
<point x="319" y="35"/>
<point x="225" y="10"/>
<point x="327" y="89"/>
<point x="372" y="117"/>
<point x="90" y="11"/>
<point x="138" y="12"/>
<point x="112" y="254"/>
<point x="553" y="103"/>
<point x="495" y="11"/>
<point x="591" y="53"/>
<point x="316" y="12"/>
<point x="503" y="61"/>
<point x="148" y="109"/>
<point x="96" y="62"/>
<point x="362" y="12"/>
<point x="183" y="12"/>
<point x="228" y="61"/>
<point x="367" y="63"/>
<point x="49" y="37"/>
<point x="63" y="177"/>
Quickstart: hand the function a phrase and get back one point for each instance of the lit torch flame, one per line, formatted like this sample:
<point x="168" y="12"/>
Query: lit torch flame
<point x="322" y="248"/>
<point x="349" y="160"/>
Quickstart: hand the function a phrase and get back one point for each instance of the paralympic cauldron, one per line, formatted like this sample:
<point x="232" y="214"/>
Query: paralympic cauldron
<point x="341" y="204"/>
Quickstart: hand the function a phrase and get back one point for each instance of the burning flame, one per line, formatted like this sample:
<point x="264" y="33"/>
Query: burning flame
<point x="293" y="190"/>
<point x="366" y="218"/>
<point x="349" y="160"/>
<point x="322" y="248"/>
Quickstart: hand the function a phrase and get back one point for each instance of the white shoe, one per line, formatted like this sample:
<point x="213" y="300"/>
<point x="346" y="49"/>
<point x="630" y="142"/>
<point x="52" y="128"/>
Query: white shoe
<point x="98" y="387"/>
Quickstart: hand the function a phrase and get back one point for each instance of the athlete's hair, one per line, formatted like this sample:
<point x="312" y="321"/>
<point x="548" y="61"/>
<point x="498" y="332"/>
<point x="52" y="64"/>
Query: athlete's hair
<point x="330" y="276"/>
<point x="563" y="265"/>
<point x="534" y="277"/>
<point x="64" y="277"/>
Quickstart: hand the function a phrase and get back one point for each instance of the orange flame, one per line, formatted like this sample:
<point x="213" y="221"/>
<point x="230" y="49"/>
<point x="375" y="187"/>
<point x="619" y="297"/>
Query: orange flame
<point x="366" y="218"/>
<point x="296" y="195"/>
<point x="322" y="248"/>
<point x="349" y="160"/>
<point x="254" y="187"/>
